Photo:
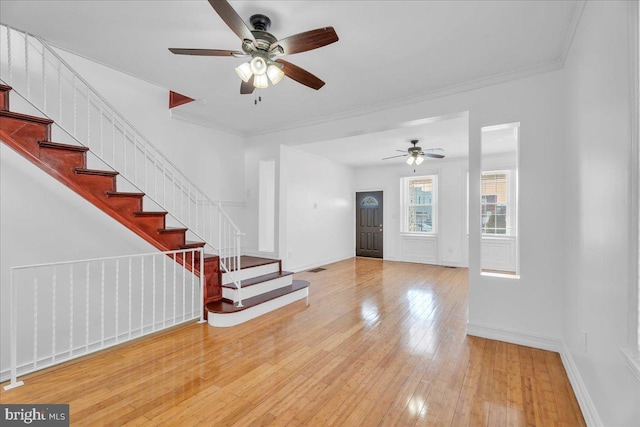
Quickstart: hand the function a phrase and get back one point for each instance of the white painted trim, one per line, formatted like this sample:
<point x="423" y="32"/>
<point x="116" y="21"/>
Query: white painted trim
<point x="633" y="338"/>
<point x="514" y="337"/>
<point x="260" y="254"/>
<point x="247" y="273"/>
<point x="298" y="269"/>
<point x="233" y="319"/>
<point x="571" y="31"/>
<point x="632" y="360"/>
<point x="589" y="411"/>
<point x="587" y="406"/>
<point x="257" y="289"/>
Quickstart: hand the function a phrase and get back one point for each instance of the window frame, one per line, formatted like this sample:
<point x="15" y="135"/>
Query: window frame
<point x="404" y="204"/>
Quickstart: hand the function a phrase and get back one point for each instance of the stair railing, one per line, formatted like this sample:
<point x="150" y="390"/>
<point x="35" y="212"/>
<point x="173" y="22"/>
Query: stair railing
<point x="65" y="310"/>
<point x="41" y="77"/>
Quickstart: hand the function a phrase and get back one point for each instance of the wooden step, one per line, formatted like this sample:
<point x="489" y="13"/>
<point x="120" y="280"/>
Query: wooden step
<point x="127" y="202"/>
<point x="23" y="132"/>
<point x="225" y="313"/>
<point x="96" y="182"/>
<point x="26" y="117"/>
<point x="64" y="158"/>
<point x="96" y="172"/>
<point x="174" y="237"/>
<point x="193" y="245"/>
<point x="66" y="147"/>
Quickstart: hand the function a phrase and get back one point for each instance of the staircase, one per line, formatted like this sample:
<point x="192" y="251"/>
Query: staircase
<point x="267" y="286"/>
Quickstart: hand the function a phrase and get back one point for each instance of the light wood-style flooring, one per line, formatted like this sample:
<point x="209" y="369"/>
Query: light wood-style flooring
<point x="381" y="343"/>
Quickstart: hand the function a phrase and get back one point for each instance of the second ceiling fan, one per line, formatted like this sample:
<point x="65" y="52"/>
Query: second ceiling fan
<point x="264" y="50"/>
<point x="417" y="155"/>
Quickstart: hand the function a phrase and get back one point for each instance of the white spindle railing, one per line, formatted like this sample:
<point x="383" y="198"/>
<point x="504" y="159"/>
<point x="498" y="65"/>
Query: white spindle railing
<point x="61" y="311"/>
<point x="41" y="75"/>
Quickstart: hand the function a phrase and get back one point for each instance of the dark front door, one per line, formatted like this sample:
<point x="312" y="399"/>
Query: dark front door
<point x="369" y="224"/>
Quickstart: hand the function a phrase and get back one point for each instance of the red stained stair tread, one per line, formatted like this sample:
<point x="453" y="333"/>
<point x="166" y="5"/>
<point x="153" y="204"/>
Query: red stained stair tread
<point x="58" y="146"/>
<point x="225" y="306"/>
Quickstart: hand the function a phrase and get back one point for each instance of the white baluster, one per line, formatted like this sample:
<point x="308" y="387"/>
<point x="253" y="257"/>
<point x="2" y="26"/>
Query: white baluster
<point x="117" y="297"/>
<point x="70" y="309"/>
<point x="53" y="313"/>
<point x="130" y="300"/>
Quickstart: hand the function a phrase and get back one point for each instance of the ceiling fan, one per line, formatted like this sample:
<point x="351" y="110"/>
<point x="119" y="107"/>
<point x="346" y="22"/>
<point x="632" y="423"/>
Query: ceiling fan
<point x="264" y="50"/>
<point x="417" y="155"/>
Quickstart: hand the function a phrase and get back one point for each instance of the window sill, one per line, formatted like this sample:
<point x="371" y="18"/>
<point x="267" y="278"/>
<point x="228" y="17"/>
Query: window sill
<point x="632" y="359"/>
<point x="417" y="234"/>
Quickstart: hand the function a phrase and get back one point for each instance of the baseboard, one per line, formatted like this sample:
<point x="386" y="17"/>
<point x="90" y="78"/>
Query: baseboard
<point x="515" y="337"/>
<point x="587" y="407"/>
<point x="589" y="411"/>
<point x="298" y="269"/>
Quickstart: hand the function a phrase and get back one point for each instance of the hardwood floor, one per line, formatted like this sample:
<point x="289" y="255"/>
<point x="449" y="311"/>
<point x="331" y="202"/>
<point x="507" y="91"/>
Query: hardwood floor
<point x="381" y="343"/>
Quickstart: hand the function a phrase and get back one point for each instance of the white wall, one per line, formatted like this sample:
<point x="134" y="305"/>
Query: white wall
<point x="449" y="245"/>
<point x="598" y="144"/>
<point x="317" y="217"/>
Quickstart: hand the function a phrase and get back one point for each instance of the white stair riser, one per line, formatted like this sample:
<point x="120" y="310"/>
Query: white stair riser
<point x="257" y="289"/>
<point x="232" y="319"/>
<point x="247" y="273"/>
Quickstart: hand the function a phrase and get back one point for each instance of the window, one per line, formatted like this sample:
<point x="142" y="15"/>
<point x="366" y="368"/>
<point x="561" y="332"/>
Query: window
<point x="419" y="204"/>
<point x="498" y="203"/>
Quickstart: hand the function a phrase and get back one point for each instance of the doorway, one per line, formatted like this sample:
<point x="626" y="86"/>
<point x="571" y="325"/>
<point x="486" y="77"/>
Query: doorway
<point x="369" y="230"/>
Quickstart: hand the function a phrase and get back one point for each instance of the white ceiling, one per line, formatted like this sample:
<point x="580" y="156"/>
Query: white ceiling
<point x="389" y="52"/>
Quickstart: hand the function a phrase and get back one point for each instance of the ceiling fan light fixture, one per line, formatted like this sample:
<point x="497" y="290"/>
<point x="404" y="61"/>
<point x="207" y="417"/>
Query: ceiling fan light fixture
<point x="260" y="81"/>
<point x="419" y="160"/>
<point x="275" y="74"/>
<point x="410" y="160"/>
<point x="258" y="66"/>
<point x="244" y="71"/>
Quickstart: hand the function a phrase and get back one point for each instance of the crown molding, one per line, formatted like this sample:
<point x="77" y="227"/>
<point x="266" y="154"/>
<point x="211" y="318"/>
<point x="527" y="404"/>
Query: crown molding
<point x="492" y="80"/>
<point x="571" y="31"/>
<point x="206" y="123"/>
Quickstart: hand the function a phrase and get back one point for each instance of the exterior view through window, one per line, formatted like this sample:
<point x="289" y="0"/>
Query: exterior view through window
<point x="419" y="203"/>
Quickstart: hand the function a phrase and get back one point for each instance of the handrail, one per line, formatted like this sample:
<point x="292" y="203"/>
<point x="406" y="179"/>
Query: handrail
<point x="90" y="120"/>
<point x="69" y="309"/>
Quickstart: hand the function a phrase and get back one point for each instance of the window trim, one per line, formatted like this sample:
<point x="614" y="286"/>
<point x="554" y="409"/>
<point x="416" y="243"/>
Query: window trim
<point x="404" y="205"/>
<point x="631" y="354"/>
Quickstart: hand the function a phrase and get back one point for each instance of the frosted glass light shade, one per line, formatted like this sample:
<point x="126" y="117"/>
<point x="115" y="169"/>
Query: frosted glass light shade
<point x="410" y="160"/>
<point x="244" y="71"/>
<point x="275" y="74"/>
<point x="419" y="160"/>
<point x="260" y="81"/>
<point x="258" y="66"/>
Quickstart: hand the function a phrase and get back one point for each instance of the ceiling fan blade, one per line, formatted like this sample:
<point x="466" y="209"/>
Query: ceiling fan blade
<point x="434" y="156"/>
<point x="300" y="75"/>
<point x="206" y="52"/>
<point x="308" y="40"/>
<point x="233" y="20"/>
<point x="247" y="88"/>
<point x="401" y="151"/>
<point x="393" y="157"/>
<point x="433" y="150"/>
